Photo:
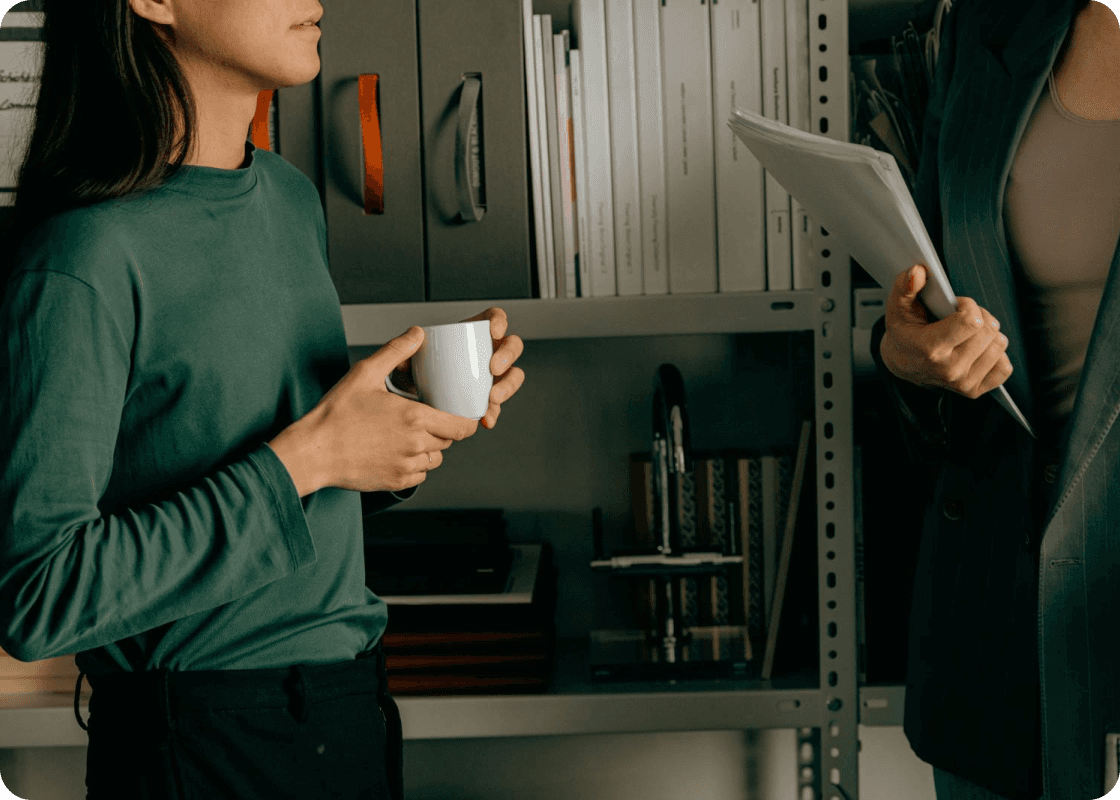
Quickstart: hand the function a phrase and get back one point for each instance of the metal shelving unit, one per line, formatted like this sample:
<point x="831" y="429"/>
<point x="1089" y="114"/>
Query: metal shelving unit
<point x="597" y="317"/>
<point x="831" y="700"/>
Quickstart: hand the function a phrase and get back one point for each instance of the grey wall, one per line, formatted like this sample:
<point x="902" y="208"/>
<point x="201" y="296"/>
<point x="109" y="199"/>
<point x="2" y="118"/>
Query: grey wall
<point x="561" y="446"/>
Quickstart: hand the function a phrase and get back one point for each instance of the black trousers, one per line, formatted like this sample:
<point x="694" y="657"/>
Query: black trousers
<point x="327" y="730"/>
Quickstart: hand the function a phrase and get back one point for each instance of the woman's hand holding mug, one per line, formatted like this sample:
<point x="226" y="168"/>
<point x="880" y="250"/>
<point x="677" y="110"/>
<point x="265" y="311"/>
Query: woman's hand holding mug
<point x="362" y="437"/>
<point x="504" y="350"/>
<point x="964" y="352"/>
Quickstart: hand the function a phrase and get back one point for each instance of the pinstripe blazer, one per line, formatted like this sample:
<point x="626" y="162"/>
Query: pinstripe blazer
<point x="1015" y="620"/>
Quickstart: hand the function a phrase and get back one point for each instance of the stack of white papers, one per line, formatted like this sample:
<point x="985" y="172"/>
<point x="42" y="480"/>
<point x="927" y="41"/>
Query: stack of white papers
<point x="857" y="194"/>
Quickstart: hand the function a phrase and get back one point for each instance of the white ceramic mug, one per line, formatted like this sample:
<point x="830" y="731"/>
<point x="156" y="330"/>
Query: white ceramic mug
<point x="451" y="369"/>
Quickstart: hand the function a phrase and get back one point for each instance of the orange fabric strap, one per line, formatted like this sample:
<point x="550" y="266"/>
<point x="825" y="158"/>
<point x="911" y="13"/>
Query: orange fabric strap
<point x="370" y="111"/>
<point x="261" y="119"/>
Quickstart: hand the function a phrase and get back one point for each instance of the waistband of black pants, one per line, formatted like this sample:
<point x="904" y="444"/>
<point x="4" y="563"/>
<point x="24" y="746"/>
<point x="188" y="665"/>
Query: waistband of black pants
<point x="199" y="690"/>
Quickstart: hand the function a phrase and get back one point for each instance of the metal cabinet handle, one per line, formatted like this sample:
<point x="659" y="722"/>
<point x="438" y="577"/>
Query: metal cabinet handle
<point x="468" y="151"/>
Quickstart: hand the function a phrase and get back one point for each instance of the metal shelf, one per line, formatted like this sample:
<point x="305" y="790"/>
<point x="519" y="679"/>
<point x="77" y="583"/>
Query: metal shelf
<point x="595" y="317"/>
<point x="881" y="705"/>
<point x="572" y="705"/>
<point x="575" y="705"/>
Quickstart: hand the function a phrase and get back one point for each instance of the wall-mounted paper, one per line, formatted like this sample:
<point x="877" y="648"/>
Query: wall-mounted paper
<point x="22" y="19"/>
<point x="20" y="68"/>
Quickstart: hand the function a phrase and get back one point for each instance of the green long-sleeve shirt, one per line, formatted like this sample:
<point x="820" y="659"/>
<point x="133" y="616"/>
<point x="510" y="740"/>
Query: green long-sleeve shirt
<point x="150" y="346"/>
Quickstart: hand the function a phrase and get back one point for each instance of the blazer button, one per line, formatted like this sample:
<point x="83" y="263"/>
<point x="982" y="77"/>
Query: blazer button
<point x="1050" y="474"/>
<point x="951" y="511"/>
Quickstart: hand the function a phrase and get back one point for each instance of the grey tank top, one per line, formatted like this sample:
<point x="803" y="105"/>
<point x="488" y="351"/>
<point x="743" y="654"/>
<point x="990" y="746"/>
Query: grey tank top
<point x="1061" y="213"/>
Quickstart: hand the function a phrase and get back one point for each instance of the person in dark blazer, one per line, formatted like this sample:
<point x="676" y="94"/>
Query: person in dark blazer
<point x="1013" y="677"/>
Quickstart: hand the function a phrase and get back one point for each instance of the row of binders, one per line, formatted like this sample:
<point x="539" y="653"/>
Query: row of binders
<point x="638" y="184"/>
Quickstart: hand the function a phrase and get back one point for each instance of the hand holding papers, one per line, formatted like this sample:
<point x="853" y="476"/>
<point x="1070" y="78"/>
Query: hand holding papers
<point x="858" y="195"/>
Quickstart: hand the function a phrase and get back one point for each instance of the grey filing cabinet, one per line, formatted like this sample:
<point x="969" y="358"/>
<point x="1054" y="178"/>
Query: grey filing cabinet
<point x="437" y="88"/>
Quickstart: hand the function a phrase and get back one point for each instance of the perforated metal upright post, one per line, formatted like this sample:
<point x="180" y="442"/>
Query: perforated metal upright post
<point x="829" y="116"/>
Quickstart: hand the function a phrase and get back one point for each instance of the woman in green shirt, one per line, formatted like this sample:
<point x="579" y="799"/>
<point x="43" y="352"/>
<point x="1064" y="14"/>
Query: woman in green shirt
<point x="185" y="440"/>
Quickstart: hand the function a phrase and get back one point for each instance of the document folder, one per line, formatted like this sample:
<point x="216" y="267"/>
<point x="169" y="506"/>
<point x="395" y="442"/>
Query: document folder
<point x="857" y="194"/>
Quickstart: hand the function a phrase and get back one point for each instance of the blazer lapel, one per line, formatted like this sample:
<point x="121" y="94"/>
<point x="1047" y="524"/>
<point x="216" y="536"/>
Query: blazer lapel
<point x="1098" y="392"/>
<point x="1027" y="57"/>
<point x="1015" y="45"/>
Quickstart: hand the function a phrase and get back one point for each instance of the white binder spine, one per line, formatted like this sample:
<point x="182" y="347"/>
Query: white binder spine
<point x="578" y="127"/>
<point x="546" y="177"/>
<point x="590" y="22"/>
<point x="740" y="199"/>
<point x="651" y="145"/>
<point x="535" y="148"/>
<point x="553" y="155"/>
<point x="797" y="49"/>
<point x="690" y="158"/>
<point x="561" y="46"/>
<point x="779" y="260"/>
<point x="624" y="146"/>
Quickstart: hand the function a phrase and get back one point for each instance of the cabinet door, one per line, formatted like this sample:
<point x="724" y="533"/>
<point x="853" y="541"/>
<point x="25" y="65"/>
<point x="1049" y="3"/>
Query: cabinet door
<point x="374" y="215"/>
<point x="490" y="258"/>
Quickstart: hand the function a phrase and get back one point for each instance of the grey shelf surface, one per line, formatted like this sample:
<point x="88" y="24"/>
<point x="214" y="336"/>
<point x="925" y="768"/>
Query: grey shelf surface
<point x="594" y="317"/>
<point x="572" y="705"/>
<point x="576" y="705"/>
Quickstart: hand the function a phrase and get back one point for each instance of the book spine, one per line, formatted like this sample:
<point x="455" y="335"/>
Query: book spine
<point x="54" y="667"/>
<point x="791" y="475"/>
<point x="546" y="172"/>
<point x="686" y="519"/>
<point x="731" y="513"/>
<point x="779" y="271"/>
<point x="42" y="685"/>
<point x="535" y="148"/>
<point x="641" y="506"/>
<point x="690" y="157"/>
<point x="706" y="589"/>
<point x="797" y="49"/>
<point x="770" y="522"/>
<point x="561" y="46"/>
<point x="579" y="130"/>
<point x="590" y="20"/>
<point x="712" y="523"/>
<point x="622" y="89"/>
<point x="740" y="199"/>
<point x="751" y="498"/>
<point x="651" y="145"/>
<point x="553" y="154"/>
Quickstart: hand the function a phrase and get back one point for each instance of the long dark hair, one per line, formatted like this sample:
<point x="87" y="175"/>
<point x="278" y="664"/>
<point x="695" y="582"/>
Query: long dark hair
<point x="111" y="98"/>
